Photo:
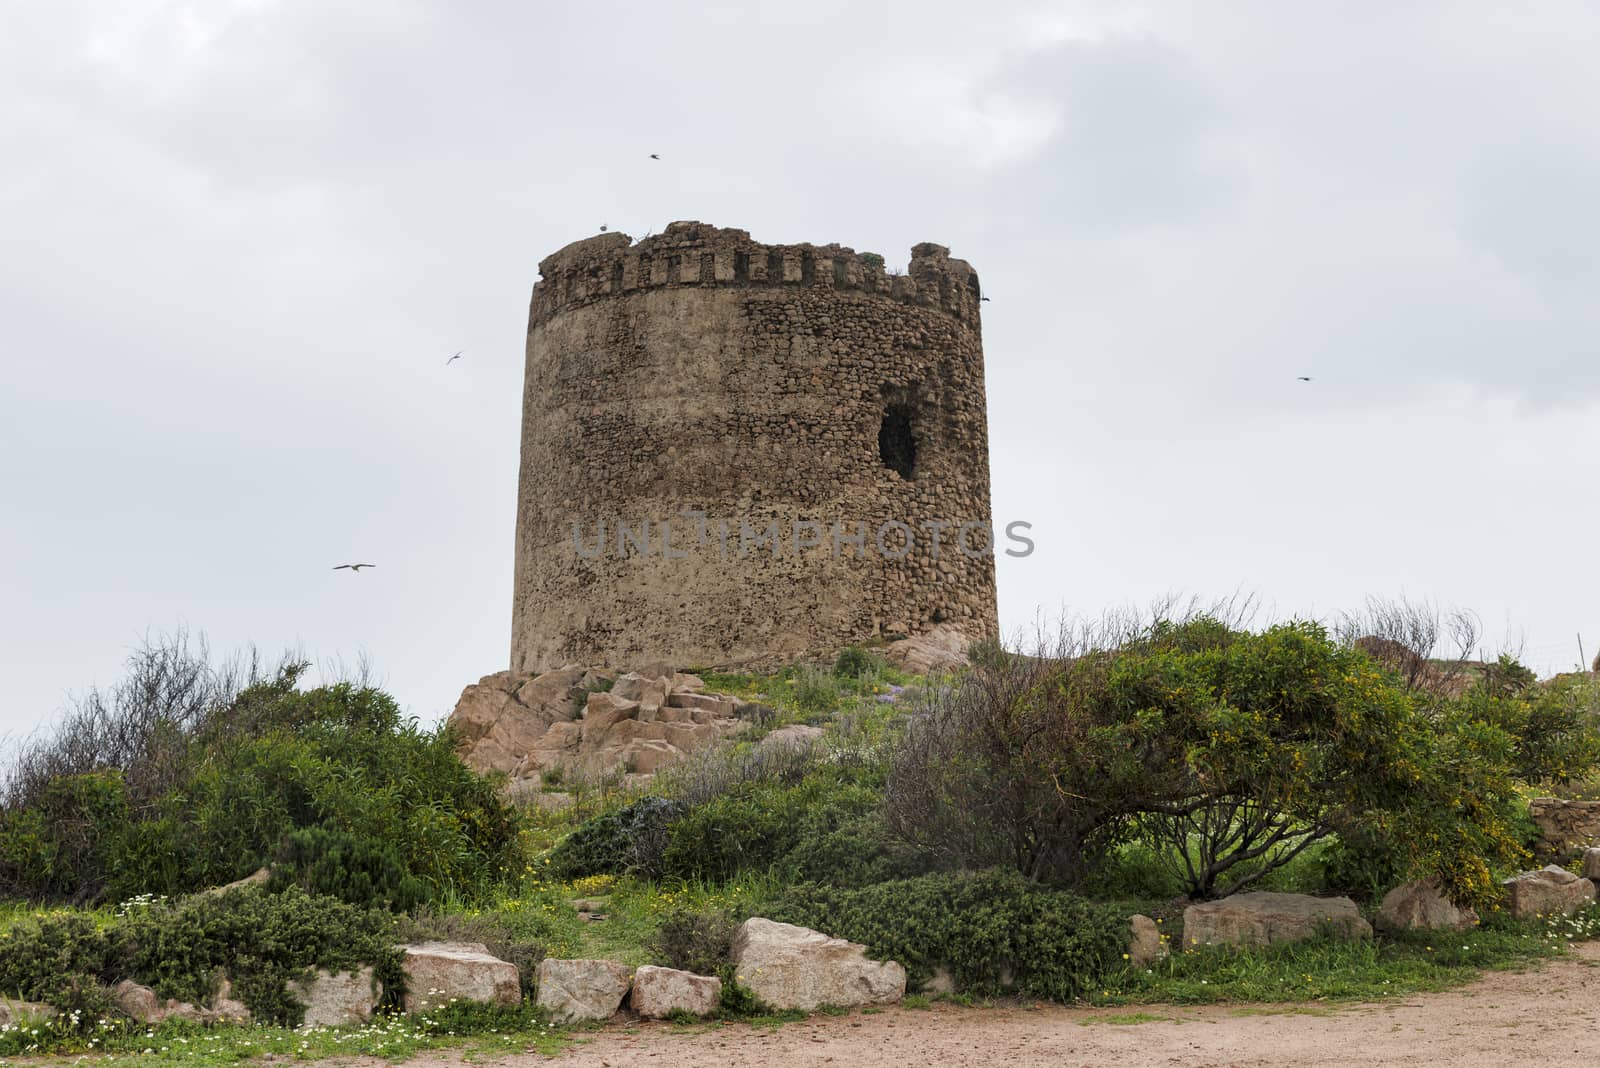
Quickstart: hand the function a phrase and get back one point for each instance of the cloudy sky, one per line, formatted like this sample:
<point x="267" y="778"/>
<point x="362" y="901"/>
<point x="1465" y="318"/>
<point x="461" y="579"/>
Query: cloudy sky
<point x="240" y="237"/>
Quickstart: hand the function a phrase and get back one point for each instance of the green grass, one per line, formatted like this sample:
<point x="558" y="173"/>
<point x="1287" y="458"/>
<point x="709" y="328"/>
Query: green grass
<point x="1335" y="970"/>
<point x="472" y="1029"/>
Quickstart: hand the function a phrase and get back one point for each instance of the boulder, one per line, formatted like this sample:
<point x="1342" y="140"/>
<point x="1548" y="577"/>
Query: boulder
<point x="437" y="972"/>
<point x="649" y="693"/>
<point x="1550" y="891"/>
<point x="1591" y="863"/>
<point x="942" y="649"/>
<point x="1262" y="918"/>
<point x="718" y="705"/>
<point x="333" y="999"/>
<point x="140" y="1003"/>
<point x="791" y="967"/>
<point x="574" y="990"/>
<point x="1421" y="906"/>
<point x="660" y="992"/>
<point x="794" y="736"/>
<point x="1146" y="943"/>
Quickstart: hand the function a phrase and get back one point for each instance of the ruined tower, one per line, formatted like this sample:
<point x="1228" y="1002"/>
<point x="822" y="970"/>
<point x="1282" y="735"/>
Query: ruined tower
<point x="738" y="454"/>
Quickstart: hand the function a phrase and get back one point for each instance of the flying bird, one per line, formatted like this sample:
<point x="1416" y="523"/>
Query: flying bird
<point x="1304" y="378"/>
<point x="454" y="358"/>
<point x="353" y="567"/>
<point x="983" y="298"/>
<point x="602" y="228"/>
<point x="654" y="156"/>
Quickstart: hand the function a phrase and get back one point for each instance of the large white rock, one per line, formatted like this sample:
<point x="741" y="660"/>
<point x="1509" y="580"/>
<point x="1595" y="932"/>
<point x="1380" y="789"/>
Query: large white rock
<point x="940" y="650"/>
<point x="1262" y="918"/>
<point x="436" y="972"/>
<point x="574" y="990"/>
<point x="333" y="999"/>
<point x="791" y="967"/>
<point x="1550" y="891"/>
<point x="1421" y="906"/>
<point x="660" y="992"/>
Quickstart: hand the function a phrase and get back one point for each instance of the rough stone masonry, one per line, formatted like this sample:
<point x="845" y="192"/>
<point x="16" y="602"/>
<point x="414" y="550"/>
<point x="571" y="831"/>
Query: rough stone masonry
<point x="736" y="454"/>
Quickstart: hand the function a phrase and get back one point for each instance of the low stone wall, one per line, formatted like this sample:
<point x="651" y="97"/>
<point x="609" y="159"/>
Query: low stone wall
<point x="1565" y="827"/>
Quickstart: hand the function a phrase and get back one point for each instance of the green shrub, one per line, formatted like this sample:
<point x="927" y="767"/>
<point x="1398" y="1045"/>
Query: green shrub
<point x="854" y="662"/>
<point x="840" y="846"/>
<point x="695" y="942"/>
<point x="631" y="840"/>
<point x="258" y="939"/>
<point x="987" y="929"/>
<point x="755" y="827"/>
<point x="814" y="690"/>
<point x="178" y="781"/>
<point x="355" y="870"/>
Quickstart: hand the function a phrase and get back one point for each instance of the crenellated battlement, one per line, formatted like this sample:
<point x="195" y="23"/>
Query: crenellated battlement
<point x="698" y="254"/>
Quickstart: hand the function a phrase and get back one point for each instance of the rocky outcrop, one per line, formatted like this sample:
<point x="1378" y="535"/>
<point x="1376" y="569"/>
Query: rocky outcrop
<point x="1591" y="863"/>
<point x="333" y="999"/>
<point x="140" y="1003"/>
<point x="1262" y="918"/>
<point x="437" y="972"/>
<point x="660" y="992"/>
<point x="574" y="990"/>
<point x="586" y="721"/>
<point x="1420" y="906"/>
<point x="940" y="650"/>
<point x="1146" y="943"/>
<point x="793" y="736"/>
<point x="791" y="967"/>
<point x="1550" y="891"/>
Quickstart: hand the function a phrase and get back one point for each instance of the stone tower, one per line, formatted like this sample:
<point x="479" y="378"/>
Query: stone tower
<point x="738" y="454"/>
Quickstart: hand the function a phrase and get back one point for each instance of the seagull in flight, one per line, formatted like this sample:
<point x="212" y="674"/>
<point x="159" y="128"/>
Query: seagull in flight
<point x="1305" y="378"/>
<point x="654" y="156"/>
<point x="454" y="358"/>
<point x="602" y="228"/>
<point x="353" y="567"/>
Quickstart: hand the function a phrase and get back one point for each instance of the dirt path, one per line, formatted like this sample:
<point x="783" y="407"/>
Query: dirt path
<point x="1506" y="1017"/>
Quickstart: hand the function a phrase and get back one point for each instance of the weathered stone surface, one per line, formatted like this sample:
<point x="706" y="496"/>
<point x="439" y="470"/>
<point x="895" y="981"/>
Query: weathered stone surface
<point x="436" y="972"/>
<point x="942" y="649"/>
<point x="1146" y="943"/>
<point x="1564" y="826"/>
<point x="1420" y="905"/>
<point x="792" y="967"/>
<point x="660" y="992"/>
<point x="529" y="727"/>
<point x="1550" y="891"/>
<point x="771" y="386"/>
<point x="574" y="990"/>
<point x="333" y="999"/>
<point x="1262" y="918"/>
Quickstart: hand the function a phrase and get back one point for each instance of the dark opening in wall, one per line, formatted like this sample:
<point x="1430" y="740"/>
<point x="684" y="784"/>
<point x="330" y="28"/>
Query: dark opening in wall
<point x="897" y="447"/>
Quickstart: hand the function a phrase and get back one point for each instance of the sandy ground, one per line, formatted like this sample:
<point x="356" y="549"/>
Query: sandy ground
<point x="1505" y="1018"/>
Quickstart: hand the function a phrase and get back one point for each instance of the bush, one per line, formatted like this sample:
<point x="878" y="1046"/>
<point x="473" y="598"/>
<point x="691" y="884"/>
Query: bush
<point x="1230" y="752"/>
<point x="1554" y="728"/>
<point x="840" y="846"/>
<point x="755" y="828"/>
<point x="202" y="773"/>
<point x="259" y="940"/>
<point x="630" y="841"/>
<point x="992" y="930"/>
<point x="697" y="942"/>
<point x="354" y="870"/>
<point x="854" y="662"/>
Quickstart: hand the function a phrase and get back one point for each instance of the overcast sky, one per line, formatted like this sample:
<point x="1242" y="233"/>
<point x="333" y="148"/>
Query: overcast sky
<point x="240" y="238"/>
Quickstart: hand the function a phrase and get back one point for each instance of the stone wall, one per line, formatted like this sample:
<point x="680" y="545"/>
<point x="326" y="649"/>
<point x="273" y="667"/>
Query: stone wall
<point x="707" y="391"/>
<point x="1565" y="827"/>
